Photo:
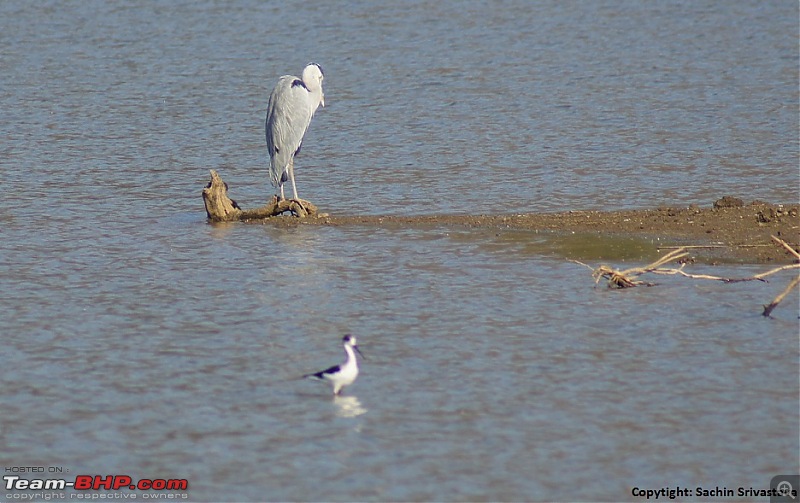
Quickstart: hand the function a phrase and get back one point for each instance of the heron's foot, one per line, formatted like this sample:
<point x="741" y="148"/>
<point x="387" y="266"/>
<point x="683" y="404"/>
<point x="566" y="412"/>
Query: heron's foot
<point x="298" y="207"/>
<point x="301" y="208"/>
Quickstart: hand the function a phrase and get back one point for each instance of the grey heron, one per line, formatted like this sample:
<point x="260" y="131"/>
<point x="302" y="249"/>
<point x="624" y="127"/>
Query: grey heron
<point x="291" y="106"/>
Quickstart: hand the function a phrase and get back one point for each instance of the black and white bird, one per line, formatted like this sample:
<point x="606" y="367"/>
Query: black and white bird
<point x="291" y="106"/>
<point x="344" y="374"/>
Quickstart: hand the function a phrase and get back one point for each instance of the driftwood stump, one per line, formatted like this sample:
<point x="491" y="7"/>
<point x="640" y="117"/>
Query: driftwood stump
<point x="221" y="208"/>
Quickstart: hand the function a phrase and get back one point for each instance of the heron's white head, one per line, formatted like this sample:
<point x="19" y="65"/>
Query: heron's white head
<point x="312" y="78"/>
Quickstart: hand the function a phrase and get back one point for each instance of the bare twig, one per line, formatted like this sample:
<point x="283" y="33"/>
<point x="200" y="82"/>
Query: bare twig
<point x="694" y="247"/>
<point x="669" y="257"/>
<point x="581" y="263"/>
<point x="781" y="242"/>
<point x="772" y="305"/>
<point x="777" y="269"/>
<point x="628" y="277"/>
<point x="617" y="279"/>
<point x="787" y="246"/>
<point x="680" y="272"/>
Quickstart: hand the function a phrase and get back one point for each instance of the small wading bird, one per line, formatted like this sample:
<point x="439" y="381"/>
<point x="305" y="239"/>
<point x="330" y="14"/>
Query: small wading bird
<point x="344" y="374"/>
<point x="291" y="106"/>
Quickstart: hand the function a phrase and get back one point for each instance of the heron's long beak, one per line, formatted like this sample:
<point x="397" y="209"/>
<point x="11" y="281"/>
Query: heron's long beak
<point x="359" y="352"/>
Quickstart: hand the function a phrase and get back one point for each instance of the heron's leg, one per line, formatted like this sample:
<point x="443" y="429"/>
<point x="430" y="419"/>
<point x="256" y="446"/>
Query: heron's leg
<point x="291" y="176"/>
<point x="282" y="196"/>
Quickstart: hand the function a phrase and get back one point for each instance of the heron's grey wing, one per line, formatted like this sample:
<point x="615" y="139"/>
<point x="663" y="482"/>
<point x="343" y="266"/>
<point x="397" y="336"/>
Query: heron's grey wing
<point x="269" y="125"/>
<point x="288" y="117"/>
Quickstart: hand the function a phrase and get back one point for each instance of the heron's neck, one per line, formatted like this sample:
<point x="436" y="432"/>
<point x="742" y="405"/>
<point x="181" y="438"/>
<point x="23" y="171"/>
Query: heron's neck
<point x="315" y="95"/>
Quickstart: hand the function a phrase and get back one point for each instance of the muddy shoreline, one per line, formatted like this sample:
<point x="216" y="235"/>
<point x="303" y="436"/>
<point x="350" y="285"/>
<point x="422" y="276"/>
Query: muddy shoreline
<point x="728" y="230"/>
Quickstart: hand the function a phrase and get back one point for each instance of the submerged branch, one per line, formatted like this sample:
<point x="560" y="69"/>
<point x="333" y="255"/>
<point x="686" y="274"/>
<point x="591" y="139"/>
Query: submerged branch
<point x="777" y="300"/>
<point x="629" y="277"/>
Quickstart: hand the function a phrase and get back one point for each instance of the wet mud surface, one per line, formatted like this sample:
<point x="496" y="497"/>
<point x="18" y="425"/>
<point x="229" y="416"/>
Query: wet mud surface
<point x="729" y="230"/>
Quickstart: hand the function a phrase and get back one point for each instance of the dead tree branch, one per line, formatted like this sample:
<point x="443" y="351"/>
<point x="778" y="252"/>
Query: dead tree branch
<point x="221" y="208"/>
<point x="787" y="246"/>
<point x="628" y="277"/>
<point x="772" y="305"/>
<point x="792" y="284"/>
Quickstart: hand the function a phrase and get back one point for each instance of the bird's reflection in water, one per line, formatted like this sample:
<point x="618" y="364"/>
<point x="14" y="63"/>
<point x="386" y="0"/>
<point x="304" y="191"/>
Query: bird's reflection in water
<point x="348" y="406"/>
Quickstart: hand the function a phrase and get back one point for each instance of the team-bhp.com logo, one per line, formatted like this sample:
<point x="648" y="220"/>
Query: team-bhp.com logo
<point x="95" y="483"/>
